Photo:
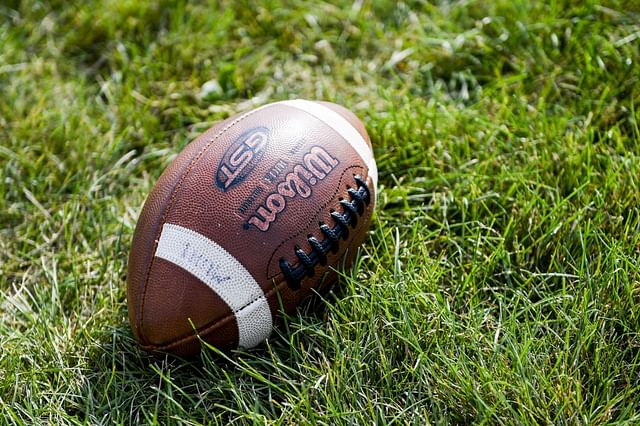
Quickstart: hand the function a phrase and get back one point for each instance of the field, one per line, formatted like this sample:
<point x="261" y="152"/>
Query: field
<point x="500" y="282"/>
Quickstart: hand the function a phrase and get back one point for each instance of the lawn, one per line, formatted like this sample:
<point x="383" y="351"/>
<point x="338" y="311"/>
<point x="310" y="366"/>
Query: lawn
<point x="500" y="281"/>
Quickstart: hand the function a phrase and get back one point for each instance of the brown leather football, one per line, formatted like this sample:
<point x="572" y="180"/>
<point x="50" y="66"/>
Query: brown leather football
<point x="250" y="219"/>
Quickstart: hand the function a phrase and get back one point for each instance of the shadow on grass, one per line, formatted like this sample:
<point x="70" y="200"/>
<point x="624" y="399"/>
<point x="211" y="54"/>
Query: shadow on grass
<point x="126" y="384"/>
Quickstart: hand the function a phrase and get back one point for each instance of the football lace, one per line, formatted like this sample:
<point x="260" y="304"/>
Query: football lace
<point x="360" y="198"/>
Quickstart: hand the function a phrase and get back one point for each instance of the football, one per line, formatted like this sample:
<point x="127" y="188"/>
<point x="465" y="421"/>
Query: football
<point x="253" y="217"/>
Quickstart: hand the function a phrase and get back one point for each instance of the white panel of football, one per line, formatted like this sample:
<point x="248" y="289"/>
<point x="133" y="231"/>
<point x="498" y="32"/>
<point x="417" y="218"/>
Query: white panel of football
<point x="222" y="273"/>
<point x="342" y="127"/>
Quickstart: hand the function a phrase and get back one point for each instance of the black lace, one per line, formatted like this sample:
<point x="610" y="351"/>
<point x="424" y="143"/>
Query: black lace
<point x="360" y="198"/>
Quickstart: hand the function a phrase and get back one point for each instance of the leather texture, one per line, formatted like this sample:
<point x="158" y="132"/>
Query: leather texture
<point x="258" y="184"/>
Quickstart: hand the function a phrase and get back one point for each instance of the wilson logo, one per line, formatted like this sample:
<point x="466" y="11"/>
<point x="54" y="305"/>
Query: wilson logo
<point x="241" y="157"/>
<point x="316" y="165"/>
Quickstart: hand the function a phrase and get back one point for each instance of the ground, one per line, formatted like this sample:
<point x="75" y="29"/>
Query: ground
<point x="500" y="282"/>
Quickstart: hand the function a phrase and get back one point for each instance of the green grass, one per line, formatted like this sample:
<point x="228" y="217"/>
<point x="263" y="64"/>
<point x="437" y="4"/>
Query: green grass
<point x="500" y="283"/>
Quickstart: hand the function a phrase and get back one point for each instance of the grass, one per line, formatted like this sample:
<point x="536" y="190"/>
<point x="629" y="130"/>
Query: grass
<point x="500" y="283"/>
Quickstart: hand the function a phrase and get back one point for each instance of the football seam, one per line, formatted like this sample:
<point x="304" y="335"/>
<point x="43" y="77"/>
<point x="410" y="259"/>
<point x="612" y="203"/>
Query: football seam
<point x="308" y="225"/>
<point x="173" y="343"/>
<point x="168" y="207"/>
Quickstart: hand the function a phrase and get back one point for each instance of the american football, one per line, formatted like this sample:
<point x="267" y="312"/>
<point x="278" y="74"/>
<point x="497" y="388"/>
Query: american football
<point x="250" y="219"/>
<point x="190" y="233"/>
